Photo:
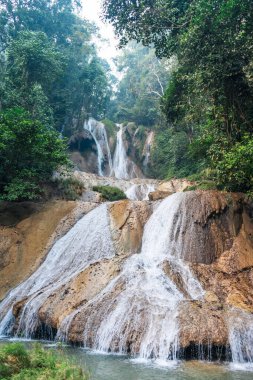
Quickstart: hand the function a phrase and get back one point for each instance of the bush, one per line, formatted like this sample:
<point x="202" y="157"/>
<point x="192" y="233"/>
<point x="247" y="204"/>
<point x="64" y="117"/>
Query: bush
<point x="110" y="193"/>
<point x="69" y="188"/>
<point x="235" y="168"/>
<point x="16" y="363"/>
<point x="29" y="154"/>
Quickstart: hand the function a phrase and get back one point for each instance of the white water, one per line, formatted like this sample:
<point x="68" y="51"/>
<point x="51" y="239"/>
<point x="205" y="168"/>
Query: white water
<point x="140" y="192"/>
<point x="139" y="308"/>
<point x="240" y="324"/>
<point x="123" y="167"/>
<point x="98" y="132"/>
<point x="87" y="242"/>
<point x="148" y="146"/>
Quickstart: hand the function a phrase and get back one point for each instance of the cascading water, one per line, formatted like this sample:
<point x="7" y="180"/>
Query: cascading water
<point x="98" y="132"/>
<point x="123" y="167"/>
<point x="120" y="157"/>
<point x="87" y="242"/>
<point x="240" y="325"/>
<point x="137" y="312"/>
<point x="139" y="192"/>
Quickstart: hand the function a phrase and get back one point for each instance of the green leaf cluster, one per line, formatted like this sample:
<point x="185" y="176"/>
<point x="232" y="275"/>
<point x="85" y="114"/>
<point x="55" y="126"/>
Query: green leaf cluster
<point x="110" y="193"/>
<point x="17" y="363"/>
<point x="209" y="97"/>
<point x="29" y="154"/>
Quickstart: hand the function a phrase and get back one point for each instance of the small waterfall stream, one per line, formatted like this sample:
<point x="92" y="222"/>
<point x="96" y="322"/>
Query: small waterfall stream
<point x="98" y="132"/>
<point x="240" y="326"/>
<point x="123" y="166"/>
<point x="140" y="192"/>
<point x="87" y="242"/>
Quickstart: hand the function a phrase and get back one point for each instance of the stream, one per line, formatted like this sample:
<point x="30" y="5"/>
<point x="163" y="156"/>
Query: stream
<point x="117" y="367"/>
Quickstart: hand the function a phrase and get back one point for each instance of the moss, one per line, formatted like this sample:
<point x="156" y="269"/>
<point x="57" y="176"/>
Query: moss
<point x="110" y="193"/>
<point x="17" y="363"/>
<point x="204" y="185"/>
<point x="110" y="127"/>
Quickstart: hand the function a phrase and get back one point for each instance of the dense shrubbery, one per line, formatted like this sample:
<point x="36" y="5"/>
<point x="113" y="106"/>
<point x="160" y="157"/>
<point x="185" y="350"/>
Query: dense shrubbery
<point x="17" y="363"/>
<point x="29" y="154"/>
<point x="69" y="188"/>
<point x="209" y="99"/>
<point x="110" y="193"/>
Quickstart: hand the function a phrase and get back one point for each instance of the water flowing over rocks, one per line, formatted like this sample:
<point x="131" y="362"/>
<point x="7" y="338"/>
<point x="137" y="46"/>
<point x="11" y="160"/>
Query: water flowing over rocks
<point x="163" y="279"/>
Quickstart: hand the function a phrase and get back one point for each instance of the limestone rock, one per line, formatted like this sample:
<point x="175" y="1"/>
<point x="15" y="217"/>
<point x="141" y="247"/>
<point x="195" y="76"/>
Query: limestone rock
<point x="158" y="195"/>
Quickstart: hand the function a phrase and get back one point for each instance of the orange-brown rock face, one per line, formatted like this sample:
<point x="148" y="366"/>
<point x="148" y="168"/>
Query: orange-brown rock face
<point x="209" y="222"/>
<point x="127" y="221"/>
<point x="27" y="231"/>
<point x="214" y="231"/>
<point x="127" y="224"/>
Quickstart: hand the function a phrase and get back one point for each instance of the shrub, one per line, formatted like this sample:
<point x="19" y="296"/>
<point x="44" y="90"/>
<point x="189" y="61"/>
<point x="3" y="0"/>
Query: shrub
<point x="110" y="193"/>
<point x="16" y="363"/>
<point x="69" y="188"/>
<point x="29" y="154"/>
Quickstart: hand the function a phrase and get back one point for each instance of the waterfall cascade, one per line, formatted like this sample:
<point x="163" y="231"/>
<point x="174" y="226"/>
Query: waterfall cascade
<point x="99" y="135"/>
<point x="240" y="325"/>
<point x="138" y="309"/>
<point x="87" y="242"/>
<point x="140" y="192"/>
<point x="123" y="167"/>
<point x="142" y="317"/>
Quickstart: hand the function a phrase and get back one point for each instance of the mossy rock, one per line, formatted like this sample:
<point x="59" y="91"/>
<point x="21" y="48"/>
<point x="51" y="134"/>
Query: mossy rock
<point x="204" y="185"/>
<point x="110" y="193"/>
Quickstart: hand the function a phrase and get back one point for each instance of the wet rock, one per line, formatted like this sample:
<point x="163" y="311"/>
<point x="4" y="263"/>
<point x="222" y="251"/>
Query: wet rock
<point x="24" y="246"/>
<point x="127" y="223"/>
<point x="158" y="195"/>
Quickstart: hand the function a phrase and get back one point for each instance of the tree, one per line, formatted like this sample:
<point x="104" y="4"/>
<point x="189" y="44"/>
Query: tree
<point x="48" y="55"/>
<point x="210" y="96"/>
<point x="142" y="86"/>
<point x="29" y="154"/>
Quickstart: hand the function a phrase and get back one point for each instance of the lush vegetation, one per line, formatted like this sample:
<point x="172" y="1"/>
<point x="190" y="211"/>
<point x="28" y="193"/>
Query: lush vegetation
<point x="208" y="101"/>
<point x="110" y="193"/>
<point x="51" y="80"/>
<point x="17" y="363"/>
<point x="142" y="86"/>
<point x="29" y="153"/>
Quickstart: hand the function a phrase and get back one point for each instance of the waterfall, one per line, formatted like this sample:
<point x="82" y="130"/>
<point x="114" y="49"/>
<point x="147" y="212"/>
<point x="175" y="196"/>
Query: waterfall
<point x="140" y="192"/>
<point x="123" y="167"/>
<point x="137" y="312"/>
<point x="120" y="157"/>
<point x="148" y="145"/>
<point x="98" y="132"/>
<point x="87" y="242"/>
<point x="240" y="326"/>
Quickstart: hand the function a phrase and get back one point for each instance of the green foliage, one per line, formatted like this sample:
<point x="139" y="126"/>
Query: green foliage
<point x="210" y="95"/>
<point x="204" y="185"/>
<point x="16" y="363"/>
<point x="110" y="193"/>
<point x="141" y="87"/>
<point x="69" y="188"/>
<point x="29" y="153"/>
<point x="49" y="64"/>
<point x="110" y="128"/>
<point x="234" y="169"/>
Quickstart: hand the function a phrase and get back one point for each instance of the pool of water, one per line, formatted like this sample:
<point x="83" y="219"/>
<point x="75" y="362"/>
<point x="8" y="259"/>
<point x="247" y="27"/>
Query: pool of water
<point x="113" y="367"/>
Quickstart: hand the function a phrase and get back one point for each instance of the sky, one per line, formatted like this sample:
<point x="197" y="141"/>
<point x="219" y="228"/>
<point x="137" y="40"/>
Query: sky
<point x="92" y="10"/>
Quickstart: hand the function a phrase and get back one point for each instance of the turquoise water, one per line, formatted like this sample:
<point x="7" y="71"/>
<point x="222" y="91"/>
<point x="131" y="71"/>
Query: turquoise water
<point x="109" y="367"/>
<point x="113" y="367"/>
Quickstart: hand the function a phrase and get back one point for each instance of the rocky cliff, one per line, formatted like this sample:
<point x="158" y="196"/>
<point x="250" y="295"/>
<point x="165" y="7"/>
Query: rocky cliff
<point x="214" y="231"/>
